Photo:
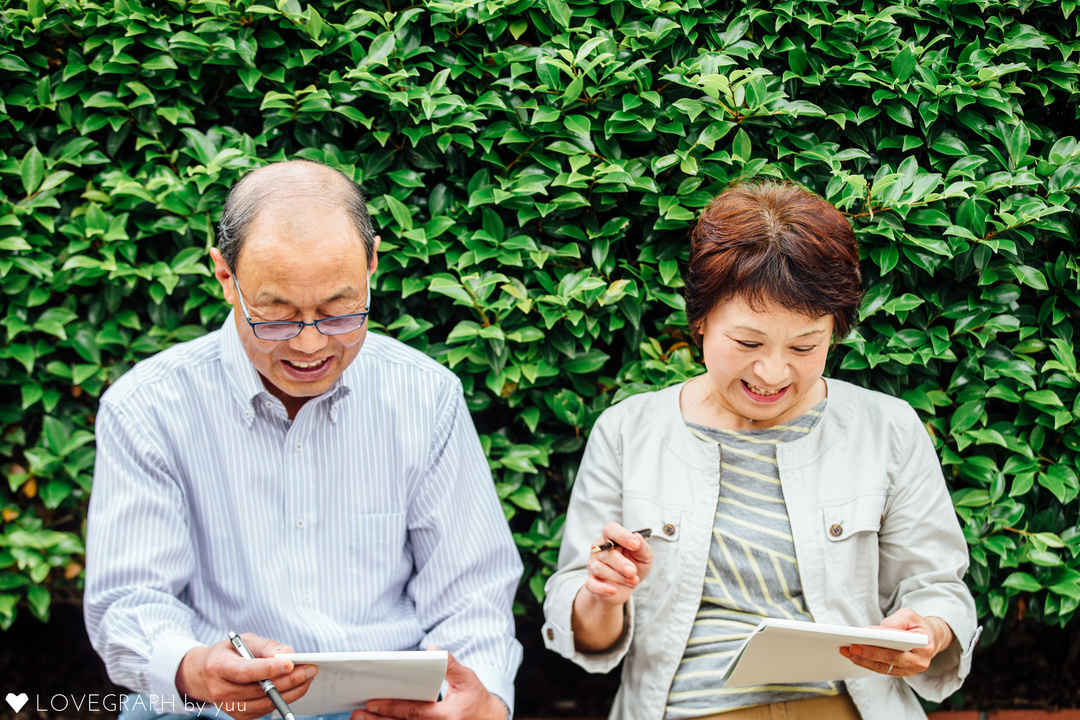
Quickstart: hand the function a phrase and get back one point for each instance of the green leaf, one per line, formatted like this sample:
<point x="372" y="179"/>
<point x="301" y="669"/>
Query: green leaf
<point x="55" y="492"/>
<point x="741" y="147"/>
<point x="903" y="64"/>
<point x="568" y="407"/>
<point x="381" y="48"/>
<point x="1049" y="539"/>
<point x="1058" y="481"/>
<point x="587" y="362"/>
<point x="537" y="585"/>
<point x="1029" y="276"/>
<point x="401" y="213"/>
<point x="578" y="124"/>
<point x="966" y="416"/>
<point x="560" y="11"/>
<point x="33" y="170"/>
<point x="39" y="600"/>
<point x="1044" y="397"/>
<point x="1044" y="558"/>
<point x="573" y="90"/>
<point x="1018" y="142"/>
<point x="1022" y="581"/>
<point x="525" y="498"/>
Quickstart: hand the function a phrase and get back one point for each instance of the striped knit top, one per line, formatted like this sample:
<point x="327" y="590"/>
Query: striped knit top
<point x="752" y="573"/>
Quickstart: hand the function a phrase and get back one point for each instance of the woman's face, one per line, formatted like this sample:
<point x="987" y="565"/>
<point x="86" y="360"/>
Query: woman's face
<point x="764" y="366"/>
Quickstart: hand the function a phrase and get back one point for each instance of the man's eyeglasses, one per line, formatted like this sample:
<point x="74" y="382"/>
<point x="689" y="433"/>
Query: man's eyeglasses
<point x="288" y="329"/>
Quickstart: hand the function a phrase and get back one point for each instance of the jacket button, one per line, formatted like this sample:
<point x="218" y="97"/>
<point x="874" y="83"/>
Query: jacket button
<point x="669" y="529"/>
<point x="550" y="634"/>
<point x="836" y="530"/>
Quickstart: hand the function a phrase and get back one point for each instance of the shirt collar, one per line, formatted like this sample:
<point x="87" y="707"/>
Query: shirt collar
<point x="247" y="387"/>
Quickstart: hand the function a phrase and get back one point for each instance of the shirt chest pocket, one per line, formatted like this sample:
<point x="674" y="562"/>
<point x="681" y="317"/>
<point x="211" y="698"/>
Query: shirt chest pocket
<point x="375" y="560"/>
<point x="851" y="530"/>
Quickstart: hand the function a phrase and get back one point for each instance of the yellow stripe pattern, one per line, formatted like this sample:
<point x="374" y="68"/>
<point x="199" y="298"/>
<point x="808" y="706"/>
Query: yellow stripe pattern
<point x="752" y="573"/>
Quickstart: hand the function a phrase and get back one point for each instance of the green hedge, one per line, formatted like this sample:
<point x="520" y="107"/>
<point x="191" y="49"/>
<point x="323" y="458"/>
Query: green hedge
<point x="533" y="167"/>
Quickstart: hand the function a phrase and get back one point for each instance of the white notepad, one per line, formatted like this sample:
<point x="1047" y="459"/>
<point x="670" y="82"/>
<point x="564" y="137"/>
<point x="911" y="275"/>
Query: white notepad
<point x="347" y="680"/>
<point x="792" y="651"/>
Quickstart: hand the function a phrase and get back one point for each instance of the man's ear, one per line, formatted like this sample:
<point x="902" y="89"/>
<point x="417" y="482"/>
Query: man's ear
<point x="224" y="276"/>
<point x="373" y="261"/>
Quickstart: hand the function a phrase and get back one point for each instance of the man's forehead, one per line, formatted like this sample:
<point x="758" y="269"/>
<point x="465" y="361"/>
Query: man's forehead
<point x="275" y="294"/>
<point x="302" y="210"/>
<point x="295" y="239"/>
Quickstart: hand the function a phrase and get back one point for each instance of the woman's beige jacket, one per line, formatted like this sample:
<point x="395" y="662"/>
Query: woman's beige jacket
<point x="868" y="467"/>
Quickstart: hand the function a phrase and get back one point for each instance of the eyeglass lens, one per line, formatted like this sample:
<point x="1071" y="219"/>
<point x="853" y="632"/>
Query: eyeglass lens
<point x="327" y="326"/>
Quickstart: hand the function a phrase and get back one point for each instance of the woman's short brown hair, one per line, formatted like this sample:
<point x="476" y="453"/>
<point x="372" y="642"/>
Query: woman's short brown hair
<point x="774" y="243"/>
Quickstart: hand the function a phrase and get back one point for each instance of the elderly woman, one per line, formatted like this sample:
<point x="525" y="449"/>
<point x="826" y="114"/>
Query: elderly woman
<point x="771" y="491"/>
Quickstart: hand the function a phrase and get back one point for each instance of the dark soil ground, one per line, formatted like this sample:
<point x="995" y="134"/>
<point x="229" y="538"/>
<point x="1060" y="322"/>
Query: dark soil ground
<point x="1030" y="666"/>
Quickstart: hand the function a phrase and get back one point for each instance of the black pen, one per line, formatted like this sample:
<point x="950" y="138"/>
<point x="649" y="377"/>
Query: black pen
<point x="611" y="544"/>
<point x="266" y="685"/>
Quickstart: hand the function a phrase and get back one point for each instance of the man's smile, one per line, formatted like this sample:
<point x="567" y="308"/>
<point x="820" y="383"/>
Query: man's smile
<point x="307" y="365"/>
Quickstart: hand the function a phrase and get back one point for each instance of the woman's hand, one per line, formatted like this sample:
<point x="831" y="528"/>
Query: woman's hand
<point x="903" y="663"/>
<point x="597" y="620"/>
<point x="613" y="574"/>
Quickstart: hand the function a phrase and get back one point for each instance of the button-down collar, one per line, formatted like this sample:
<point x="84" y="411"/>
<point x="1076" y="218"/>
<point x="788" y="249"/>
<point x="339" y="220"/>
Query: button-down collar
<point x="247" y="386"/>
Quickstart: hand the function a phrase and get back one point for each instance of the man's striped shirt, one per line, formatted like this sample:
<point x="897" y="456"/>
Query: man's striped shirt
<point x="368" y="522"/>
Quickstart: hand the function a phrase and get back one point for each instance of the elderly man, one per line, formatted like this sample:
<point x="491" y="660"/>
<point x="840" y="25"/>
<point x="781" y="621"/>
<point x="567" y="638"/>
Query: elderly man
<point x="273" y="479"/>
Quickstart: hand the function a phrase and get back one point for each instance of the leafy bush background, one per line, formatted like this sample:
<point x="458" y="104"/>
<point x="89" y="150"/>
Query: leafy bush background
<point x="533" y="167"/>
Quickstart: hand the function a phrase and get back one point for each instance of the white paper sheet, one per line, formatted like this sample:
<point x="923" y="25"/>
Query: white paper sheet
<point x="347" y="680"/>
<point x="791" y="651"/>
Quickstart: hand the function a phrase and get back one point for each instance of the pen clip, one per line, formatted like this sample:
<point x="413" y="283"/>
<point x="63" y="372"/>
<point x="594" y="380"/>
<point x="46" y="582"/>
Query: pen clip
<point x="240" y="646"/>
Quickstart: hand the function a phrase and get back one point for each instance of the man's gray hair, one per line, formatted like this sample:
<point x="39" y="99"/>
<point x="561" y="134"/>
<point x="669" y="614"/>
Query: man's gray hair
<point x="249" y="196"/>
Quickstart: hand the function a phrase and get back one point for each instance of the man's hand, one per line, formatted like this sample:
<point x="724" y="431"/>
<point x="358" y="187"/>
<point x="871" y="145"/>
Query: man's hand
<point x="466" y="698"/>
<point x="899" y="663"/>
<point x="217" y="675"/>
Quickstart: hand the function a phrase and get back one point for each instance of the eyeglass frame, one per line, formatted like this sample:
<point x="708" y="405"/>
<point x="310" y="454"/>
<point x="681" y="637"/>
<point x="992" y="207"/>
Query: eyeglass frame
<point x="300" y="324"/>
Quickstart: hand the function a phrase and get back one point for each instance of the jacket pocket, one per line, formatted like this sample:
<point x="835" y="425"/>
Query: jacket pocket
<point x="851" y="530"/>
<point x="641" y="513"/>
<point x="657" y="590"/>
<point x="863" y="514"/>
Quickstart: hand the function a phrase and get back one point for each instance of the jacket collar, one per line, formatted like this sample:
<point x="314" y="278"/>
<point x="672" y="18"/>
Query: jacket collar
<point x="679" y="439"/>
<point x="832" y="428"/>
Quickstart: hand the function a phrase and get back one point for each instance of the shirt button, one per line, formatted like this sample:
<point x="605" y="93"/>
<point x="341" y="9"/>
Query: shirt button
<point x="297" y="447"/>
<point x="247" y="413"/>
<point x="550" y="634"/>
<point x="300" y="523"/>
<point x="836" y="530"/>
<point x="307" y="599"/>
<point x="669" y="529"/>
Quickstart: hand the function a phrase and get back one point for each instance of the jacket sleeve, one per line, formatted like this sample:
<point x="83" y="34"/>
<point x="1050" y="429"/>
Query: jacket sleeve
<point x="923" y="559"/>
<point x="467" y="567"/>
<point x="138" y="562"/>
<point x="595" y="500"/>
